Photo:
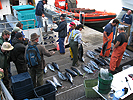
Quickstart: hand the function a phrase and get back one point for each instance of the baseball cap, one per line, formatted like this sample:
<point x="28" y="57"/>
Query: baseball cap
<point x="16" y="29"/>
<point x="63" y="15"/>
<point x="71" y="24"/>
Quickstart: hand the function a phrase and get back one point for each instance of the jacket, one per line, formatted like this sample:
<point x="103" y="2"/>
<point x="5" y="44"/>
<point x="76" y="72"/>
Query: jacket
<point x="4" y="59"/>
<point x="61" y="29"/>
<point x="18" y="53"/>
<point x="39" y="8"/>
<point x="42" y="51"/>
<point x="77" y="36"/>
<point x="2" y="40"/>
<point x="127" y="19"/>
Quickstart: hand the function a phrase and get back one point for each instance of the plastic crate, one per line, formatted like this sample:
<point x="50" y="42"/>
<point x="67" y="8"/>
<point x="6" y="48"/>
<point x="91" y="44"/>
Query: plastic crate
<point x="21" y="80"/>
<point x="89" y="92"/>
<point x="46" y="91"/>
<point x="29" y="95"/>
<point x="23" y="89"/>
<point x="23" y="7"/>
<point x="26" y="15"/>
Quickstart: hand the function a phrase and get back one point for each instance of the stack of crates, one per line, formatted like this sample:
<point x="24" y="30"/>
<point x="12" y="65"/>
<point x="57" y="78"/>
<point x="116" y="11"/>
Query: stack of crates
<point x="25" y="12"/>
<point x="22" y="86"/>
<point x="26" y="15"/>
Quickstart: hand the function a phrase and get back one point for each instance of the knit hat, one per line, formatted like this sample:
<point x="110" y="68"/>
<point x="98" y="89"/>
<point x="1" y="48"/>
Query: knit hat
<point x="16" y="29"/>
<point x="34" y="36"/>
<point x="7" y="46"/>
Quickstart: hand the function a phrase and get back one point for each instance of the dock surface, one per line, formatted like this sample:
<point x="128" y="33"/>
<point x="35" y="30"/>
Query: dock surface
<point x="76" y="91"/>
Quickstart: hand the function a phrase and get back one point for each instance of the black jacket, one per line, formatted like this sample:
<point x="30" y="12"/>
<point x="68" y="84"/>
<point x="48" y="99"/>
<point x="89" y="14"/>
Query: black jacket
<point x="61" y="29"/>
<point x="18" y="53"/>
<point x="39" y="8"/>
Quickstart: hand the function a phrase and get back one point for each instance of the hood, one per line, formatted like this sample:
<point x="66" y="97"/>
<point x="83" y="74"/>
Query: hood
<point x="15" y="41"/>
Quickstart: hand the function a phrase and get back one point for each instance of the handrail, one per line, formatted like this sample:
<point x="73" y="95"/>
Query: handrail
<point x="5" y="93"/>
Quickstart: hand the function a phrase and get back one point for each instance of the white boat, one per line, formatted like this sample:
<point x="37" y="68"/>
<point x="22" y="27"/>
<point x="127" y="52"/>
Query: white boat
<point x="127" y="4"/>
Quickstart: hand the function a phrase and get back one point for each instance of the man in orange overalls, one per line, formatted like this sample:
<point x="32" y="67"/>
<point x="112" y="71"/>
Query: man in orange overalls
<point x="108" y="36"/>
<point x="120" y="44"/>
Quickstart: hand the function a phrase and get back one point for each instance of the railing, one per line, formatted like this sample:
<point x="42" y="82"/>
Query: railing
<point x="14" y="22"/>
<point x="5" y="95"/>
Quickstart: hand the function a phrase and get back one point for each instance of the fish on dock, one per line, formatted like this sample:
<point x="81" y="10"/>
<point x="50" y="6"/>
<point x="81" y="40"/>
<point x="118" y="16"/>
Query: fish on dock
<point x="80" y="53"/>
<point x="94" y="64"/>
<point x="77" y="71"/>
<point x="69" y="77"/>
<point x="89" y="54"/>
<point x="86" y="69"/>
<point x="91" y="66"/>
<point x="97" y="50"/>
<point x="55" y="65"/>
<point x="71" y="72"/>
<point x="51" y="67"/>
<point x="51" y="82"/>
<point x="99" y="62"/>
<point x="61" y="76"/>
<point x="57" y="83"/>
<point x="45" y="70"/>
<point x="104" y="61"/>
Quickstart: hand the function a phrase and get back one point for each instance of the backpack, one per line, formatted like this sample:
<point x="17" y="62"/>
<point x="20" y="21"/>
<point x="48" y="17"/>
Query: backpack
<point x="33" y="56"/>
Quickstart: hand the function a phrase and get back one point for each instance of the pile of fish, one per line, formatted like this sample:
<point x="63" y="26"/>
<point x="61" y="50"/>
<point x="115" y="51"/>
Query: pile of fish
<point x="69" y="74"/>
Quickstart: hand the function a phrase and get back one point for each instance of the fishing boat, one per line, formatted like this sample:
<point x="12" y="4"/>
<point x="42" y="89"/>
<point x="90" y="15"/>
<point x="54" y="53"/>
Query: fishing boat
<point x="91" y="17"/>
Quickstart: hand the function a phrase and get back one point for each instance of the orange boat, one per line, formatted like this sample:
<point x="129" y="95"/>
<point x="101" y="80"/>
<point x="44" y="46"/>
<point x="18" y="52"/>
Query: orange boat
<point x="91" y="17"/>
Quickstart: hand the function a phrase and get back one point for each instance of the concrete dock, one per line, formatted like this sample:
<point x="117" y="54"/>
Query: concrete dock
<point x="76" y="91"/>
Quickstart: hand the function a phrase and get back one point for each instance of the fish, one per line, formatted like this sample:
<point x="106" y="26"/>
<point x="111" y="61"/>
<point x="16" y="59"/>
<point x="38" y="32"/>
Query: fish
<point x="94" y="64"/>
<point x="50" y="67"/>
<point x="91" y="66"/>
<point x="55" y="66"/>
<point x="104" y="61"/>
<point x="100" y="48"/>
<point x="61" y="76"/>
<point x="104" y="47"/>
<point x="71" y="72"/>
<point x="108" y="59"/>
<point x="45" y="70"/>
<point x="80" y="53"/>
<point x="126" y="54"/>
<point x="51" y="82"/>
<point x="77" y="71"/>
<point x="57" y="83"/>
<point x="69" y="77"/>
<point x="99" y="62"/>
<point x="97" y="50"/>
<point x="91" y="52"/>
<point x="86" y="69"/>
<point x="90" y="55"/>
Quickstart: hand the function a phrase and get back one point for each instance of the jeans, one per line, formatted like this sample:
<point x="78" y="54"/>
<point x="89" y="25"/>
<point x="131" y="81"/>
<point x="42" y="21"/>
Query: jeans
<point x="39" y="21"/>
<point x="61" y="45"/>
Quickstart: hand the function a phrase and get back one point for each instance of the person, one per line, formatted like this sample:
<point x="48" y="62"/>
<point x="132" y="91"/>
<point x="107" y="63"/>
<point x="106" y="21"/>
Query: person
<point x="40" y="12"/>
<point x="119" y="47"/>
<point x="75" y="38"/>
<point x="17" y="54"/>
<point x="5" y="62"/>
<point x="62" y="32"/>
<point x="5" y="36"/>
<point x="72" y="27"/>
<point x="20" y="25"/>
<point x="15" y="30"/>
<point x="37" y="71"/>
<point x="108" y="36"/>
<point x="127" y="18"/>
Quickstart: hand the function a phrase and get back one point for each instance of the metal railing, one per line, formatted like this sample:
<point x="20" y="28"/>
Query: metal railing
<point x="5" y="95"/>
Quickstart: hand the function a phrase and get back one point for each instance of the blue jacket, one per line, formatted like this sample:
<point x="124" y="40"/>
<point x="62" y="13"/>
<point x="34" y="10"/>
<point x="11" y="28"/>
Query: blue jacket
<point x="39" y="8"/>
<point x="127" y="19"/>
<point x="61" y="29"/>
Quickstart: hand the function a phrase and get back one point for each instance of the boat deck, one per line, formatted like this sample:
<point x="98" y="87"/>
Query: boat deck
<point x="77" y="90"/>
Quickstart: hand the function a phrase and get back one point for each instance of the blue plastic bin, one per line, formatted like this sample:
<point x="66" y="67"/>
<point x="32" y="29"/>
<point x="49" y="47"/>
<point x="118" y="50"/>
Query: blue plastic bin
<point x="23" y="7"/>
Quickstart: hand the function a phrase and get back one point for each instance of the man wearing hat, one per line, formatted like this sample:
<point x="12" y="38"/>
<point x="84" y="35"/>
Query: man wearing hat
<point x="18" y="53"/>
<point x="40" y="12"/>
<point x="36" y="72"/>
<point x="75" y="38"/>
<point x="5" y="61"/>
<point x="62" y="32"/>
<point x="15" y="30"/>
<point x="119" y="47"/>
<point x="5" y="36"/>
